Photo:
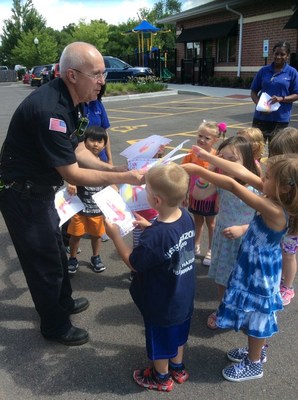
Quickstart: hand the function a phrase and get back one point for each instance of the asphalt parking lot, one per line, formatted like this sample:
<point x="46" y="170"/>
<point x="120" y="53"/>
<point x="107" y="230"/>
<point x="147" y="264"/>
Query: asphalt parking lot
<point x="32" y="368"/>
<point x="175" y="116"/>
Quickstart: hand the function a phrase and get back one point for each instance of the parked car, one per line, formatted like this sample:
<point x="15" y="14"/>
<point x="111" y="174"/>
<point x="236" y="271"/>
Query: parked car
<point x="26" y="77"/>
<point x="39" y="73"/>
<point x="55" y="73"/>
<point x="120" y="71"/>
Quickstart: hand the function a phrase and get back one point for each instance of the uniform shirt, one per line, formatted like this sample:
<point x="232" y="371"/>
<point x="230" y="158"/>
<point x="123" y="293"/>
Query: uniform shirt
<point x="97" y="114"/>
<point x="164" y="285"/>
<point x="41" y="136"/>
<point x="283" y="83"/>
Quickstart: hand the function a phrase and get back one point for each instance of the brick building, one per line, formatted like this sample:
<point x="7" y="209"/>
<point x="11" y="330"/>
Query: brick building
<point x="231" y="38"/>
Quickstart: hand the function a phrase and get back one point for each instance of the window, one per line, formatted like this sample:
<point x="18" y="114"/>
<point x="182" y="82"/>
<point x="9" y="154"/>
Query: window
<point x="208" y="46"/>
<point x="192" y="50"/>
<point x="226" y="49"/>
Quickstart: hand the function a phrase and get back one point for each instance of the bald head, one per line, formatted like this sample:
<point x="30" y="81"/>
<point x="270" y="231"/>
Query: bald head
<point x="81" y="68"/>
<point x="79" y="55"/>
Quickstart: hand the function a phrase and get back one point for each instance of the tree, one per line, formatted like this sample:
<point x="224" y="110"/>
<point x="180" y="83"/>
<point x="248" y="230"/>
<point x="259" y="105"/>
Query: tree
<point x="95" y="33"/>
<point x="29" y="54"/>
<point x="24" y="19"/>
<point x="121" y="43"/>
<point x="162" y="9"/>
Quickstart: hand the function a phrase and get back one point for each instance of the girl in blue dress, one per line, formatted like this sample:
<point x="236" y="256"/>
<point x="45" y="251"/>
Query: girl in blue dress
<point x="234" y="215"/>
<point x="252" y="297"/>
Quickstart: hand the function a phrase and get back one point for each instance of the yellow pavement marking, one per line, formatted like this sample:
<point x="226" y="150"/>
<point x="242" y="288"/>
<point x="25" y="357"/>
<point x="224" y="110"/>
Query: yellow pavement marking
<point x="128" y="128"/>
<point x="157" y="115"/>
<point x="168" y="109"/>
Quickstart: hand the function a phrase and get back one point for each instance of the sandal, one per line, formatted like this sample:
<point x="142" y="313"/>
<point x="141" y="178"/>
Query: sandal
<point x="211" y="321"/>
<point x="207" y="259"/>
<point x="197" y="250"/>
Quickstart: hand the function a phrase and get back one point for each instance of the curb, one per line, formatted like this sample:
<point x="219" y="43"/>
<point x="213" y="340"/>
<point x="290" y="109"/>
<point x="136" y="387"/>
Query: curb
<point x="140" y="95"/>
<point x="193" y="92"/>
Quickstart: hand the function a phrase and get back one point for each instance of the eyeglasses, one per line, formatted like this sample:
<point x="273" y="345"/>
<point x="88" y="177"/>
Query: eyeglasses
<point x="95" y="77"/>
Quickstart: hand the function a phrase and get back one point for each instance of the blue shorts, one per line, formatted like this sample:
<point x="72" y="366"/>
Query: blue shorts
<point x="162" y="342"/>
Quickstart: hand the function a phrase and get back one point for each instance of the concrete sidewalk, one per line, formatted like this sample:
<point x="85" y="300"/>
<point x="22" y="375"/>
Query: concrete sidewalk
<point x="236" y="93"/>
<point x="174" y="89"/>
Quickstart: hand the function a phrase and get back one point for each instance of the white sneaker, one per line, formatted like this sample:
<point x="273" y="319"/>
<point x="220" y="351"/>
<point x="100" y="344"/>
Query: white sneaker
<point x="243" y="371"/>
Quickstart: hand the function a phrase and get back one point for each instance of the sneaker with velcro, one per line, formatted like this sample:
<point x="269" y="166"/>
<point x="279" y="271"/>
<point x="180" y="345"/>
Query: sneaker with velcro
<point x="180" y="375"/>
<point x="73" y="265"/>
<point x="96" y="264"/>
<point x="148" y="379"/>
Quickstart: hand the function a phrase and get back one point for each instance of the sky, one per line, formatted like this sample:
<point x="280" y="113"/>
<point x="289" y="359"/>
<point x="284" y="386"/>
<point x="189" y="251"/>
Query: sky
<point x="59" y="13"/>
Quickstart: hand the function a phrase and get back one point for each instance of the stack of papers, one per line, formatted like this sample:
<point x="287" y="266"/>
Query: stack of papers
<point x="264" y="104"/>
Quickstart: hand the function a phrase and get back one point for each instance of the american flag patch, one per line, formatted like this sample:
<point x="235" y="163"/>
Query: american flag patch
<point x="57" y="125"/>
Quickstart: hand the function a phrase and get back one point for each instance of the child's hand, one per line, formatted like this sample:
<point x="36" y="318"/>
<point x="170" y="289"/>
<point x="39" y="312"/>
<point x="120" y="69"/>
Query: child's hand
<point x="112" y="230"/>
<point x="115" y="187"/>
<point x="71" y="189"/>
<point x="201" y="153"/>
<point x="160" y="151"/>
<point x="234" y="232"/>
<point x="141" y="221"/>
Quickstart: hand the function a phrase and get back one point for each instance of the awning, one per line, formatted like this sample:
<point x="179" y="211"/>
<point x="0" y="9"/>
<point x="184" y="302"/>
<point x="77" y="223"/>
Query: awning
<point x="293" y="21"/>
<point x="214" y="31"/>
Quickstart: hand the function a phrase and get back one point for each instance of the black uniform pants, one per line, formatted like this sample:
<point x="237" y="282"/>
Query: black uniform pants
<point x="34" y="229"/>
<point x="269" y="128"/>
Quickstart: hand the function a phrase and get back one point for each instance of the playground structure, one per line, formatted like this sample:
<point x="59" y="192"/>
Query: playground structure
<point x="146" y="52"/>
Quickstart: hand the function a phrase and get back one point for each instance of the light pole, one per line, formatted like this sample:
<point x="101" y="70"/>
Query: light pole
<point x="36" y="42"/>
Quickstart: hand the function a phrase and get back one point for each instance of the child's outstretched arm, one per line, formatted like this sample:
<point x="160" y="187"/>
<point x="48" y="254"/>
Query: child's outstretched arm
<point x="272" y="213"/>
<point x="123" y="249"/>
<point x="236" y="170"/>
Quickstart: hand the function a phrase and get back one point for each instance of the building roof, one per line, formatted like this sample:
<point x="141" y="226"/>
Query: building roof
<point x="209" y="8"/>
<point x="293" y="21"/>
<point x="222" y="29"/>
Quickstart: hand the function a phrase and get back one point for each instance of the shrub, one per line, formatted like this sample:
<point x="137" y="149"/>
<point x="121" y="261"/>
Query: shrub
<point x="135" y="85"/>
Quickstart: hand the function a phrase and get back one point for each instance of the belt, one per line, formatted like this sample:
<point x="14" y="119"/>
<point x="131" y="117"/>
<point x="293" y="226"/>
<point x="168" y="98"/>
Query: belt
<point x="31" y="190"/>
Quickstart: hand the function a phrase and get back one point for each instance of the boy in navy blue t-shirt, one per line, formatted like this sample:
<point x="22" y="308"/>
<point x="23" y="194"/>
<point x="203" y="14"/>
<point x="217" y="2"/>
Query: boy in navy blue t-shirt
<point x="163" y="286"/>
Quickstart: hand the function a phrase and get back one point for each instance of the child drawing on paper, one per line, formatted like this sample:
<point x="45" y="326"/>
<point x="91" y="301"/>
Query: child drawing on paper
<point x="62" y="203"/>
<point x="120" y="214"/>
<point x="146" y="146"/>
<point x="131" y="193"/>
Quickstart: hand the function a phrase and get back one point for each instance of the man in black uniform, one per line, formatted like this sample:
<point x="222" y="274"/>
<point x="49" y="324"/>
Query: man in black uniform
<point x="41" y="149"/>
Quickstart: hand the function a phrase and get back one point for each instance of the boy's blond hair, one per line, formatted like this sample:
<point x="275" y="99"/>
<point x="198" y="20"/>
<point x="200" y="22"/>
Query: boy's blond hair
<point x="170" y="182"/>
<point x="256" y="138"/>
